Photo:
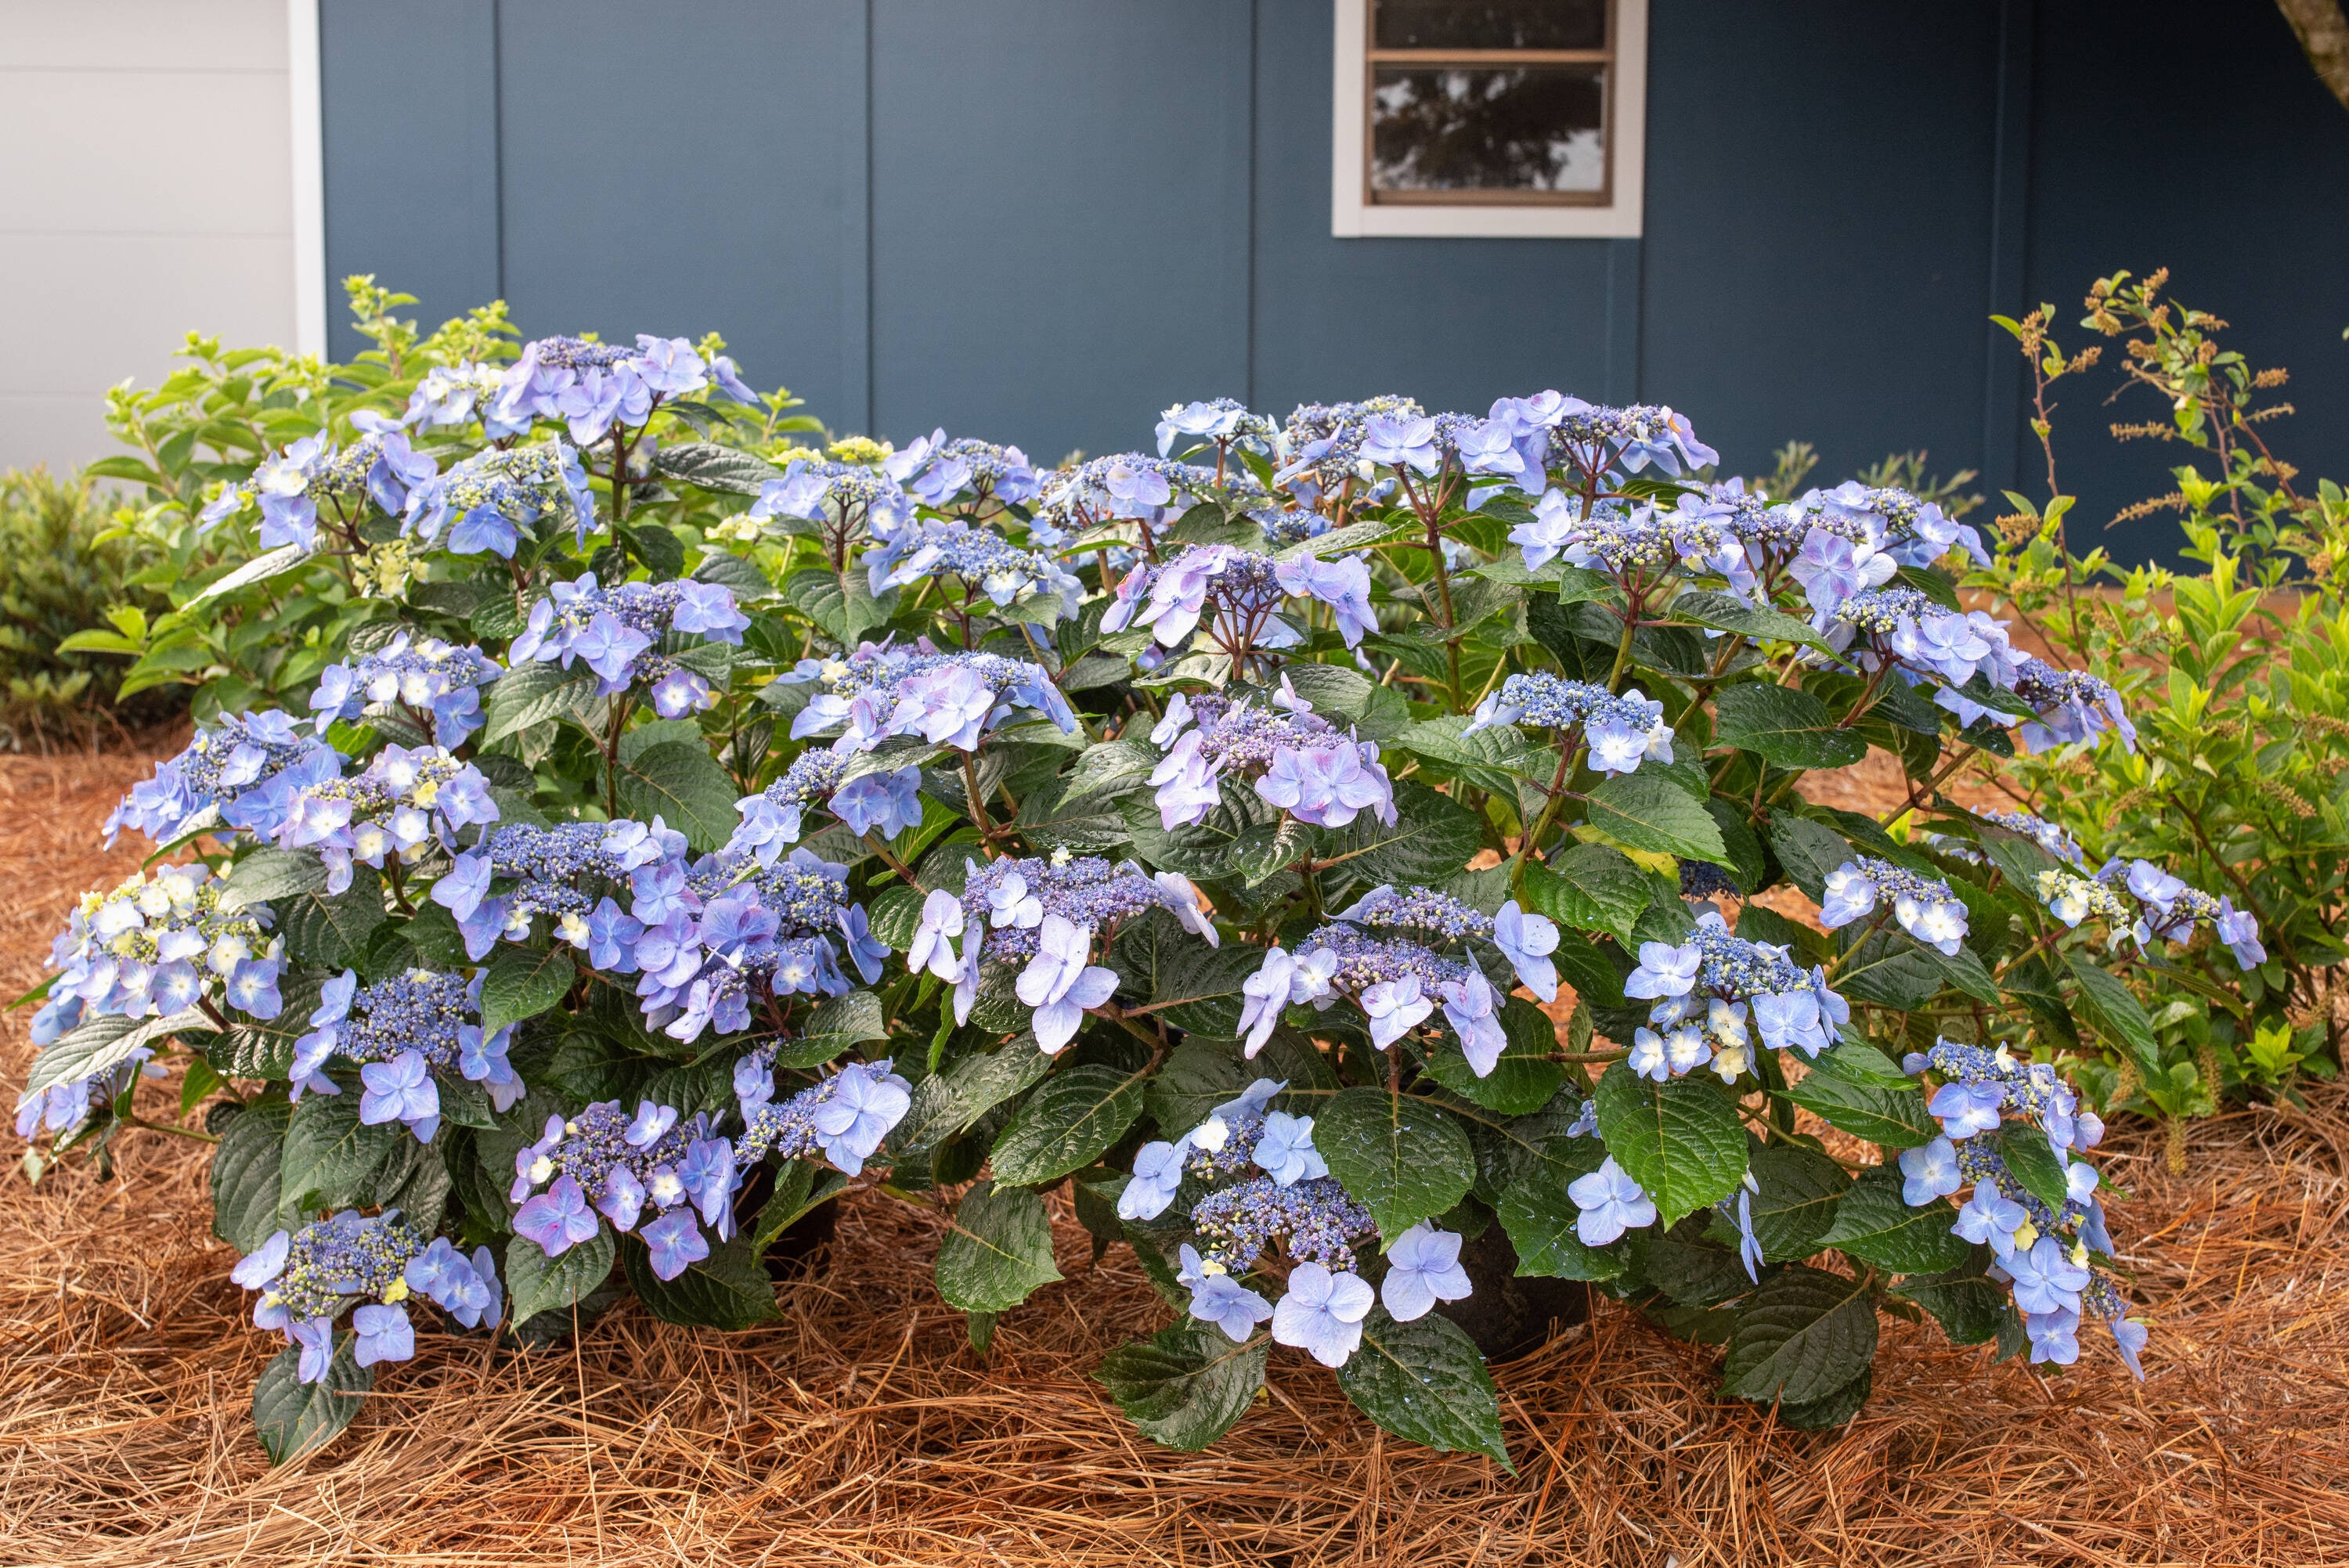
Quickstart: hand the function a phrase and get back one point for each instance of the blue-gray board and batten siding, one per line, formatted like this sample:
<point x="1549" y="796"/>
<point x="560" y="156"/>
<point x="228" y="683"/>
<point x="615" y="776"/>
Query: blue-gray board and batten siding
<point x="1042" y="221"/>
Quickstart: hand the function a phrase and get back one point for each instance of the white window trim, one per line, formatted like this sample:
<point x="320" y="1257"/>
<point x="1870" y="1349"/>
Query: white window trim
<point x="303" y="78"/>
<point x="1353" y="218"/>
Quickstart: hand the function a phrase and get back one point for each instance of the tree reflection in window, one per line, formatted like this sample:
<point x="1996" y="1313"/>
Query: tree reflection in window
<point x="1490" y="100"/>
<point x="1485" y="128"/>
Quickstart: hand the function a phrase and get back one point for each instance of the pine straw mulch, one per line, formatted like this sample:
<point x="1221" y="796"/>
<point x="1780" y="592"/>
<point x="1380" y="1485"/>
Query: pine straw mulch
<point x="860" y="1429"/>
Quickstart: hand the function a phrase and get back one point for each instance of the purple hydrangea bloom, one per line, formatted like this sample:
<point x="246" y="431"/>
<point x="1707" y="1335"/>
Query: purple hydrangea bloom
<point x="1610" y="1203"/>
<point x="557" y="1219"/>
<point x="676" y="1243"/>
<point x="1422" y="1268"/>
<point x="1322" y="1313"/>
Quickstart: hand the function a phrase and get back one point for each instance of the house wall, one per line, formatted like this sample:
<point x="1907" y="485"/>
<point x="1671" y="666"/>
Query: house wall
<point x="1041" y="221"/>
<point x="147" y="190"/>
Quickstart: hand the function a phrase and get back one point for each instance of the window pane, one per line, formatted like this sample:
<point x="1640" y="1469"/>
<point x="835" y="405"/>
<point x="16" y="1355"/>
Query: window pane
<point x="1484" y="127"/>
<point x="1491" y="25"/>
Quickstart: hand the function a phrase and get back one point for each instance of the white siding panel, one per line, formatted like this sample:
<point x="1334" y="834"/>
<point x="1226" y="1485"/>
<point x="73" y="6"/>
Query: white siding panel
<point x="87" y="309"/>
<point x="197" y="152"/>
<point x="147" y="190"/>
<point x="143" y="34"/>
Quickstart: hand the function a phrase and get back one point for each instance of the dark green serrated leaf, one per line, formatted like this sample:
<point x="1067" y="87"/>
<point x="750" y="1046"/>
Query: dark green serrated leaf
<point x="1968" y="1306"/>
<point x="266" y="874"/>
<point x="292" y="1417"/>
<point x="1890" y="970"/>
<point x="1809" y="851"/>
<point x="1207" y="851"/>
<point x="1073" y="1115"/>
<point x="715" y="468"/>
<point x="1831" y="1409"/>
<point x="2032" y="985"/>
<point x="727" y="1290"/>
<point x="1199" y="1076"/>
<point x="101" y="1046"/>
<point x="532" y="695"/>
<point x="1424" y="1382"/>
<point x="1723" y="612"/>
<point x="434" y="937"/>
<point x="523" y="982"/>
<point x="799" y="1189"/>
<point x="2112" y="1011"/>
<point x="1052" y="817"/>
<point x="1783" y="725"/>
<point x="1000" y="1252"/>
<point x="1856" y="1061"/>
<point x="1590" y="887"/>
<point x="1894" y="1118"/>
<point x="1804" y="1333"/>
<point x="1874" y="1225"/>
<point x="684" y="786"/>
<point x="2035" y="1163"/>
<point x="419" y="1185"/>
<point x="246" y="1195"/>
<point x="894" y="915"/>
<point x="1963" y="971"/>
<point x="1536" y="1211"/>
<point x="1647" y="812"/>
<point x="840" y="602"/>
<point x="334" y="1161"/>
<point x="1403" y="1159"/>
<point x="1185" y="1386"/>
<point x="1681" y="1141"/>
<point x="334" y="932"/>
<point x="1494" y="759"/>
<point x="741" y="576"/>
<point x="1197" y="988"/>
<point x="948" y="1104"/>
<point x="1684" y="1265"/>
<point x="537" y="1282"/>
<point x="1432" y="836"/>
<point x="856" y="1014"/>
<point x="1800" y="1189"/>
<point x="1110" y="768"/>
<point x="1745" y="863"/>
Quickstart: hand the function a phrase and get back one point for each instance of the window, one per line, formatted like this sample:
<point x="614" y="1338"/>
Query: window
<point x="1508" y="119"/>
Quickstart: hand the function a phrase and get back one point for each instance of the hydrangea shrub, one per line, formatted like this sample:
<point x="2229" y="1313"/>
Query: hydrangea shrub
<point x="614" y="831"/>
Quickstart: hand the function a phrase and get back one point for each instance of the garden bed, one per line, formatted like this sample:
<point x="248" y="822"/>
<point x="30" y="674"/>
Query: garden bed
<point x="860" y="1428"/>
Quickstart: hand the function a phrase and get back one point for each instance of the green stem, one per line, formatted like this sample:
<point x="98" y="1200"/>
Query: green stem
<point x="873" y="842"/>
<point x="1623" y="644"/>
<point x="972" y="794"/>
<point x="128" y="1121"/>
<point x="612" y="759"/>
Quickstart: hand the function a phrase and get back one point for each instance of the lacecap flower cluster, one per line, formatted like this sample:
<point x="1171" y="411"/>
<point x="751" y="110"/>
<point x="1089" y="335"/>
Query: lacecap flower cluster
<point x="1045" y="915"/>
<point x="947" y="699"/>
<point x="307" y="1278"/>
<point x="405" y="1032"/>
<point x="156" y="947"/>
<point x="1621" y="732"/>
<point x="432" y="680"/>
<point x="1295" y="760"/>
<point x="1399" y="981"/>
<point x="605" y="1164"/>
<point x="1714" y="992"/>
<point x="614" y="632"/>
<point x="1290" y="1199"/>
<point x="2044" y="1255"/>
<point x="591" y="387"/>
<point x="379" y="467"/>
<point x="404" y="799"/>
<point x="246" y="767"/>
